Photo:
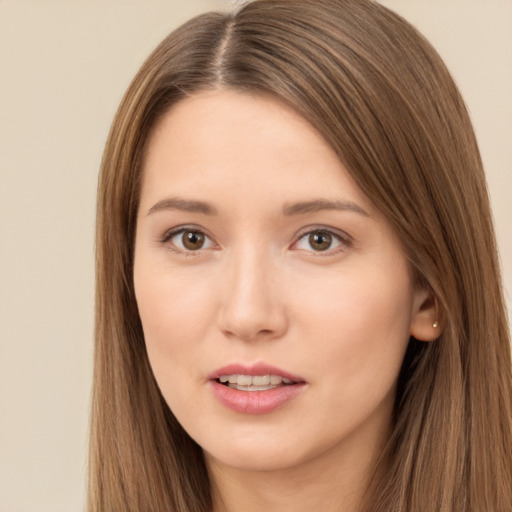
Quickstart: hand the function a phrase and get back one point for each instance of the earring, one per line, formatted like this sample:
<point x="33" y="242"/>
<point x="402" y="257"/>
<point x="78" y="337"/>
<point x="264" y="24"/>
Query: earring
<point x="435" y="325"/>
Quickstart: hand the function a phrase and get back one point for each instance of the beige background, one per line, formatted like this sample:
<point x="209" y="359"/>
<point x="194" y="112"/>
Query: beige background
<point x="63" y="68"/>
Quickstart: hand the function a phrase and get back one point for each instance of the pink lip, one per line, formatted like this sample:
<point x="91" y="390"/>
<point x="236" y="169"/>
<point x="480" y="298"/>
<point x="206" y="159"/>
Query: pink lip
<point x="255" y="402"/>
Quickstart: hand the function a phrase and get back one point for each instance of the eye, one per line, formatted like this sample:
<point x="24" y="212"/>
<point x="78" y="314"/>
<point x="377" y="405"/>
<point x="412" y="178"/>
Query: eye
<point x="188" y="240"/>
<point x="322" y="240"/>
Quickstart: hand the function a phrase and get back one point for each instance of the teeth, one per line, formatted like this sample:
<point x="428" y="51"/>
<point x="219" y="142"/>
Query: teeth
<point x="244" y="380"/>
<point x="254" y="382"/>
<point x="275" y="379"/>
<point x="263" y="380"/>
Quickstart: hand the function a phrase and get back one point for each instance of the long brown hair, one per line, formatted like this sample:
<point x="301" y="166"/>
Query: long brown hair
<point x="383" y="99"/>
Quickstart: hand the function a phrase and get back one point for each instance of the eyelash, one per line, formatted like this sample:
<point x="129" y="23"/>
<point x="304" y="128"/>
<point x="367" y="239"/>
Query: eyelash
<point x="344" y="240"/>
<point x="169" y="235"/>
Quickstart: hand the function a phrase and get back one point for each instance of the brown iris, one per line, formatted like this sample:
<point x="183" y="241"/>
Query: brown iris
<point x="320" y="240"/>
<point x="192" y="240"/>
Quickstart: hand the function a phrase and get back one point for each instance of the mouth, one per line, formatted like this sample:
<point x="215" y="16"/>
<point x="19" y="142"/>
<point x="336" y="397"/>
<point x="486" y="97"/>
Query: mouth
<point x="255" y="388"/>
<point x="254" y="382"/>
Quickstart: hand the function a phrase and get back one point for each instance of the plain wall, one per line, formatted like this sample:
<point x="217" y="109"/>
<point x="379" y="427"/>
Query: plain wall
<point x="63" y="68"/>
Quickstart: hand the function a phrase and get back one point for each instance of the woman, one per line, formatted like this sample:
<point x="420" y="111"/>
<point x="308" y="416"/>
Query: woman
<point x="298" y="293"/>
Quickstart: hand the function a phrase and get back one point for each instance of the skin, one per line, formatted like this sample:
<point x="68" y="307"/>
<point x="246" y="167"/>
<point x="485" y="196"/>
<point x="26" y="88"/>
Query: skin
<point x="259" y="291"/>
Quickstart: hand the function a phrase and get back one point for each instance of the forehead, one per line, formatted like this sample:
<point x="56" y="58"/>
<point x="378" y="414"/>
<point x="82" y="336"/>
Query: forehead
<point x="244" y="146"/>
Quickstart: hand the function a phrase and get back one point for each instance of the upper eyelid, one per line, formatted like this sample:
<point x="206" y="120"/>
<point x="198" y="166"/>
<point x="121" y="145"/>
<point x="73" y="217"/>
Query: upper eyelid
<point x="165" y="240"/>
<point x="341" y="235"/>
<point x="346" y="242"/>
<point x="172" y="232"/>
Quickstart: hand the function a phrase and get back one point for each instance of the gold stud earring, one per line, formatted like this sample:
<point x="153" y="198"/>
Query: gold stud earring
<point x="435" y="325"/>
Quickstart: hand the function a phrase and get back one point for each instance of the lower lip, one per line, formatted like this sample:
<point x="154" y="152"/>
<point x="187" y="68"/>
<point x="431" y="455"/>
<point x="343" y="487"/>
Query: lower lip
<point x="255" y="402"/>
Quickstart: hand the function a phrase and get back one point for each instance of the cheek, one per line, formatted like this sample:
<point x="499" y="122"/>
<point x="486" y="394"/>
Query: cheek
<point x="170" y="302"/>
<point x="175" y="318"/>
<point x="176" y="315"/>
<point x="360" y="323"/>
<point x="354" y="340"/>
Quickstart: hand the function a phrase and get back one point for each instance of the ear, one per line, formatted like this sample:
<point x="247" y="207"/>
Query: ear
<point x="425" y="322"/>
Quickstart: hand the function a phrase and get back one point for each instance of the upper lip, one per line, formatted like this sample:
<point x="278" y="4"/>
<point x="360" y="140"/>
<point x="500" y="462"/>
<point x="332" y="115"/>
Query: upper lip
<point x="253" y="369"/>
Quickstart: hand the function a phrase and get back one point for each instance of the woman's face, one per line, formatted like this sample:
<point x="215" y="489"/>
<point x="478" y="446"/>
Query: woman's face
<point x="275" y="300"/>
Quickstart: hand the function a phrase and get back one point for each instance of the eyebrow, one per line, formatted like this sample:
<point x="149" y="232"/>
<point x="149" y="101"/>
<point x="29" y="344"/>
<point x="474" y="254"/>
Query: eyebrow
<point x="183" y="205"/>
<point x="301" y="208"/>
<point x="318" y="205"/>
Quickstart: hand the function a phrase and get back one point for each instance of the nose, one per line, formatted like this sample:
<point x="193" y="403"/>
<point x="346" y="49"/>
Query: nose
<point x="252" y="305"/>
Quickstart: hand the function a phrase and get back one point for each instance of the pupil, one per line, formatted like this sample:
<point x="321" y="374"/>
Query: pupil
<point x="320" y="241"/>
<point x="193" y="240"/>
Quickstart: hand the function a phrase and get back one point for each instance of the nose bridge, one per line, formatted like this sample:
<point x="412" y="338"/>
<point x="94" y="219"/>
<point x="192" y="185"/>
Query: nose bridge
<point x="252" y="305"/>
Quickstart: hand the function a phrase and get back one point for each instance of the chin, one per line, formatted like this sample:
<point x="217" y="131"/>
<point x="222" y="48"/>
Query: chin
<point x="266" y="451"/>
<point x="254" y="459"/>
